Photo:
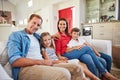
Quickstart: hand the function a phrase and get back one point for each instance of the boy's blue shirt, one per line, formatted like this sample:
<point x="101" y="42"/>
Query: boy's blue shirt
<point x="18" y="45"/>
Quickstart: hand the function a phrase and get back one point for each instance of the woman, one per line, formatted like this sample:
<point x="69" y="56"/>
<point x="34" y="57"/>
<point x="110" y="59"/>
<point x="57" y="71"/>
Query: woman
<point x="61" y="45"/>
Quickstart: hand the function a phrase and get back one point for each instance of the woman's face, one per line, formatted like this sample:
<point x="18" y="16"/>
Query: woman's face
<point x="62" y="26"/>
<point x="47" y="40"/>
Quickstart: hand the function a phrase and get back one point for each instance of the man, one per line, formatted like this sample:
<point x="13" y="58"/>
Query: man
<point x="26" y="59"/>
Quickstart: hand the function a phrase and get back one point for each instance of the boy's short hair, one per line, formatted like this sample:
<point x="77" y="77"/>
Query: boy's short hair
<point x="76" y="30"/>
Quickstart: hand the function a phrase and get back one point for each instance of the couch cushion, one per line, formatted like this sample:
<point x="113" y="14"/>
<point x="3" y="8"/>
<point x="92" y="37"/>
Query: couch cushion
<point x="3" y="53"/>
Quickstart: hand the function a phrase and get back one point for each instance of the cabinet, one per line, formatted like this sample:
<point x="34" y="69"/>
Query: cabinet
<point x="106" y="31"/>
<point x="100" y="10"/>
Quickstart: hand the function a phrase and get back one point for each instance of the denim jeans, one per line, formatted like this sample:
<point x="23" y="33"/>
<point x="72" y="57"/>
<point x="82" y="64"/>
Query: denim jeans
<point x="87" y="56"/>
<point x="106" y="60"/>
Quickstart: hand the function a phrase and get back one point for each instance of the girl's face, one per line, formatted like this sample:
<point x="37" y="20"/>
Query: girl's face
<point x="62" y="26"/>
<point x="47" y="40"/>
<point x="75" y="35"/>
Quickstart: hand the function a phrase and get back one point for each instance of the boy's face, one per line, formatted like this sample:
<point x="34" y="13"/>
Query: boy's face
<point x="75" y="35"/>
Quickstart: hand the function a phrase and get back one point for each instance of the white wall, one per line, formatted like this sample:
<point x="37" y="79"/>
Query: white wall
<point x="48" y="9"/>
<point x="9" y="7"/>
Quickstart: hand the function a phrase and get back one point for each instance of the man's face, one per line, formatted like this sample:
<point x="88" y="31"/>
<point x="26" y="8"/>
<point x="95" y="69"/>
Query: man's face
<point x="33" y="25"/>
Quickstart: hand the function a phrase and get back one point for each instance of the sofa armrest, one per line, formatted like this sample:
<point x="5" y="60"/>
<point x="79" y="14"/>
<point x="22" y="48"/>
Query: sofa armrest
<point x="3" y="74"/>
<point x="104" y="46"/>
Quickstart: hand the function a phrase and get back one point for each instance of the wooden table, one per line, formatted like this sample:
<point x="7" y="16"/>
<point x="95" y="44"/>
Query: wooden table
<point x="116" y="56"/>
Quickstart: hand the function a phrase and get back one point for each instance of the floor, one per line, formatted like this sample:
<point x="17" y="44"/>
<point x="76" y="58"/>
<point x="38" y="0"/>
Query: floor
<point x="115" y="71"/>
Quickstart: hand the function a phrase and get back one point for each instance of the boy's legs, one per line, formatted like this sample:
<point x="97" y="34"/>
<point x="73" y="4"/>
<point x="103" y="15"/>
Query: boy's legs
<point x="90" y="52"/>
<point x="39" y="72"/>
<point x="108" y="60"/>
<point x="87" y="72"/>
<point x="76" y="54"/>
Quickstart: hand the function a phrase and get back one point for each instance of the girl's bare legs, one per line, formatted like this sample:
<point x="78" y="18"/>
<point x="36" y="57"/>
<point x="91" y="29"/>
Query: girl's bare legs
<point x="87" y="72"/>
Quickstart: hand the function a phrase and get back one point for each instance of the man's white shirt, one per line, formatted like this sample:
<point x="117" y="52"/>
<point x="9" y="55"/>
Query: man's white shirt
<point x="34" y="49"/>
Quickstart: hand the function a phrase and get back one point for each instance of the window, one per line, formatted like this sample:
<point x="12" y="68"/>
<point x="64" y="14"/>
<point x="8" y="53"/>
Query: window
<point x="30" y="3"/>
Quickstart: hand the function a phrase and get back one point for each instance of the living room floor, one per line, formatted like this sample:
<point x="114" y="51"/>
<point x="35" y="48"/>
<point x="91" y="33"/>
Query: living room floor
<point x="115" y="71"/>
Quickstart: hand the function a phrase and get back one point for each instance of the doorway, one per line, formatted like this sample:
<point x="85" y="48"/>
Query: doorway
<point x="67" y="13"/>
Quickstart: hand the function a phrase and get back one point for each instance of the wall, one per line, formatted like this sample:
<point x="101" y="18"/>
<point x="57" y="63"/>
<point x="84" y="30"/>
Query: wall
<point x="49" y="11"/>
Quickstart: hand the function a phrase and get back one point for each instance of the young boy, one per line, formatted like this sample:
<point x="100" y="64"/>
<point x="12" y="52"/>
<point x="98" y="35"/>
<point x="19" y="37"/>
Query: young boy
<point x="86" y="53"/>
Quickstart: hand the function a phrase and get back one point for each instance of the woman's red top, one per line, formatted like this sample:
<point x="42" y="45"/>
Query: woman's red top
<point x="61" y="43"/>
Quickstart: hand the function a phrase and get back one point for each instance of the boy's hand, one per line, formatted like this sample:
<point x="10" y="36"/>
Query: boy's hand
<point x="98" y="55"/>
<point x="79" y="47"/>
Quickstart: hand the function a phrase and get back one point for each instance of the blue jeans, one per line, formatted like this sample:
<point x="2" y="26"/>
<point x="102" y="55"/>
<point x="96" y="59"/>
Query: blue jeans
<point x="87" y="56"/>
<point x="106" y="60"/>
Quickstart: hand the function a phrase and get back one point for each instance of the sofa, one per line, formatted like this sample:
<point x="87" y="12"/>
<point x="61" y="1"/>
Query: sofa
<point x="5" y="68"/>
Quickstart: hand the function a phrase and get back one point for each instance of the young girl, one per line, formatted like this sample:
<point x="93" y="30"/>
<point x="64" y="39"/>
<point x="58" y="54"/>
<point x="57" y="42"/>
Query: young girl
<point x="48" y="52"/>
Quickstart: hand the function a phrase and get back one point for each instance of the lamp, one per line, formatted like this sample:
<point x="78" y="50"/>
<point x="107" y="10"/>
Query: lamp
<point x="3" y="13"/>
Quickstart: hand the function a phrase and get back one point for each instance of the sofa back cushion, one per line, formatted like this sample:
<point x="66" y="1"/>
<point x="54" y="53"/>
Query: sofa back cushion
<point x="4" y="58"/>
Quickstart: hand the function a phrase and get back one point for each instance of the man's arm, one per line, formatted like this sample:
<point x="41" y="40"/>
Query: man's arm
<point x="23" y="62"/>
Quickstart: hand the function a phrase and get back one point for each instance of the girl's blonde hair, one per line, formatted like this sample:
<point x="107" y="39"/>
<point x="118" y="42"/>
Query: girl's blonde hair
<point x="46" y="34"/>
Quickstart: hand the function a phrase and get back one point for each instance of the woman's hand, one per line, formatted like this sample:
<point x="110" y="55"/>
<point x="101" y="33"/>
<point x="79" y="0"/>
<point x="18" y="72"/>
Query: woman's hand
<point x="56" y="36"/>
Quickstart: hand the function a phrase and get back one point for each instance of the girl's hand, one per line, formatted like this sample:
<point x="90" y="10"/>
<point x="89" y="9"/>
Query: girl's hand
<point x="63" y="58"/>
<point x="47" y="62"/>
<point x="58" y="61"/>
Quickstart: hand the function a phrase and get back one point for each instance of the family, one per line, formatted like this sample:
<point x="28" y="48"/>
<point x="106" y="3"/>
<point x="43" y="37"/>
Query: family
<point x="61" y="56"/>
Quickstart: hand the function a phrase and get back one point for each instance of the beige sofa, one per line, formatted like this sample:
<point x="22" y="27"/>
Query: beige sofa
<point x="101" y="45"/>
